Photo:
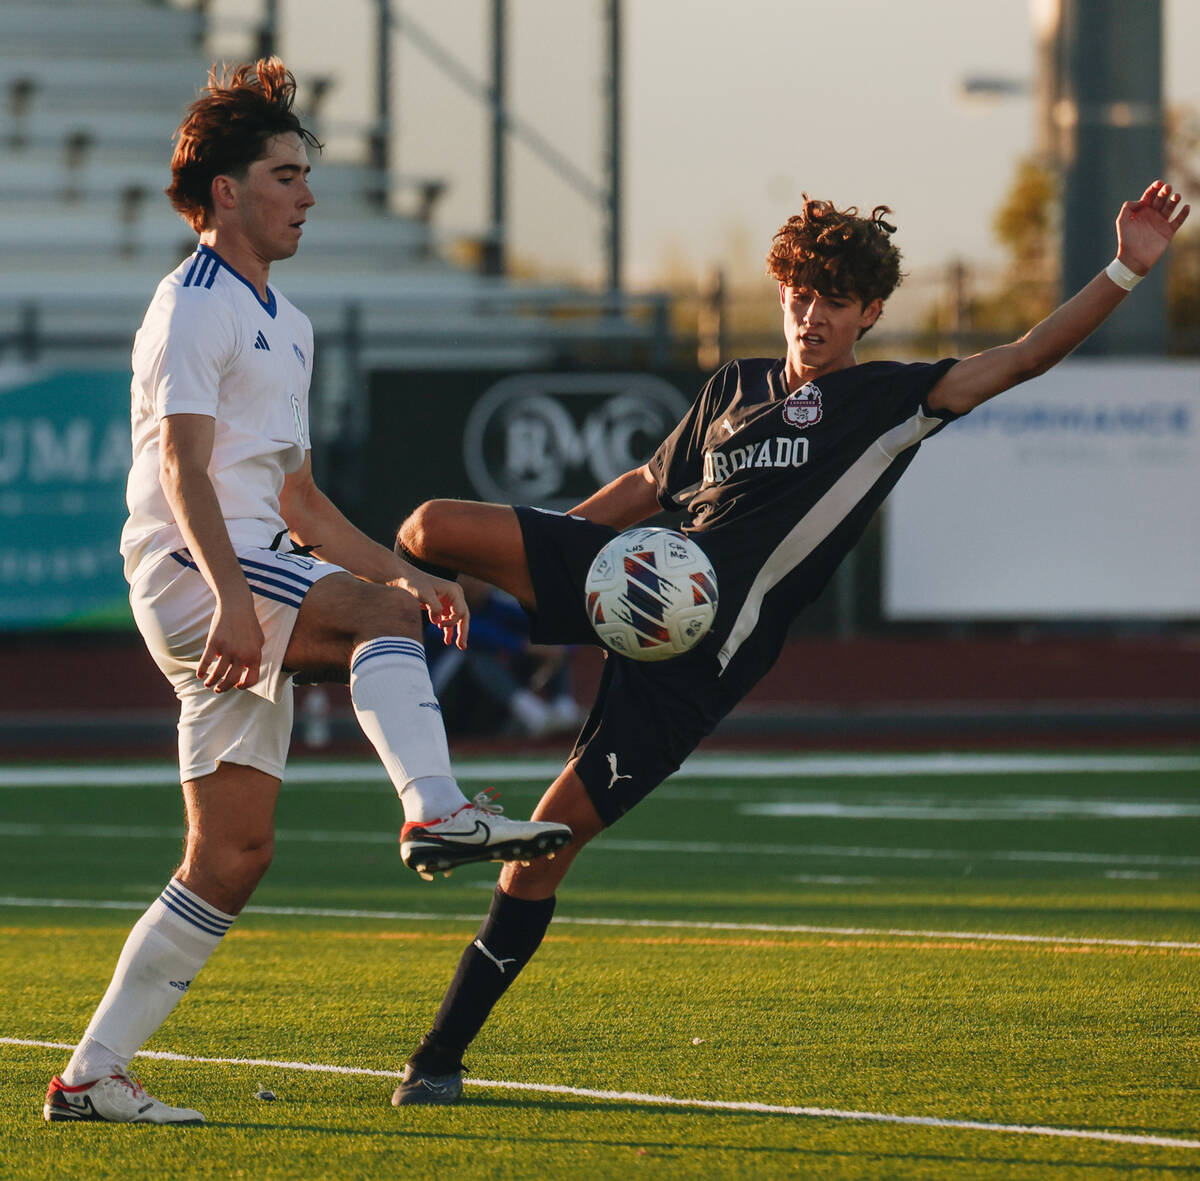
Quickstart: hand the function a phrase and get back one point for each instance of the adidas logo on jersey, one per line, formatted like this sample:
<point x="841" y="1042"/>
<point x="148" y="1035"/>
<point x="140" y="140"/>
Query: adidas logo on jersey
<point x="260" y="342"/>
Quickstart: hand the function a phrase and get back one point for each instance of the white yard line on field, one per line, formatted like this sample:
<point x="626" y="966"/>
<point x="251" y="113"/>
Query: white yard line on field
<point x="891" y="806"/>
<point x="701" y="766"/>
<point x="926" y="1121"/>
<point x="37" y="829"/>
<point x="660" y="924"/>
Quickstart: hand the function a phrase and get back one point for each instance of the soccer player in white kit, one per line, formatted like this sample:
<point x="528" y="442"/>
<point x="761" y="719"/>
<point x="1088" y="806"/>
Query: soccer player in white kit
<point x="225" y="525"/>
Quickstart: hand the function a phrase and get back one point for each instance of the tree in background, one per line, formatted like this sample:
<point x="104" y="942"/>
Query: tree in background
<point x="964" y="320"/>
<point x="1028" y="226"/>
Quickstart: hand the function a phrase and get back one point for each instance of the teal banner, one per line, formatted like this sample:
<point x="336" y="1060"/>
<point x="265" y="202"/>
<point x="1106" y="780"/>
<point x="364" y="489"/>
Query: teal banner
<point x="64" y="457"/>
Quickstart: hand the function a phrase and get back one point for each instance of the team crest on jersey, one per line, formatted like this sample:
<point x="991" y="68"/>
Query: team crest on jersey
<point x="299" y="354"/>
<point x="803" y="408"/>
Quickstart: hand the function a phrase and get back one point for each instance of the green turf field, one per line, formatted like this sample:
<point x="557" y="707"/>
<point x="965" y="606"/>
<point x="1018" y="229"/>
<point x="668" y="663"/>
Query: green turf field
<point x="772" y="968"/>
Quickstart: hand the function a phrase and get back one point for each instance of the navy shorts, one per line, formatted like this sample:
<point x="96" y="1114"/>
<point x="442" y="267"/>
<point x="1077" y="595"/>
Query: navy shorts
<point x="647" y="717"/>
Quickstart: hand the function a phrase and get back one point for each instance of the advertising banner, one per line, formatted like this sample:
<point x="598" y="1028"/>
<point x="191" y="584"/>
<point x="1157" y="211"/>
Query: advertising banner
<point x="64" y="457"/>
<point x="1076" y="495"/>
<point x="547" y="439"/>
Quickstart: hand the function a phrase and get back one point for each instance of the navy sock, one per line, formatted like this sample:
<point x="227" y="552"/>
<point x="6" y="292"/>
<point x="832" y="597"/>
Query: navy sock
<point x="503" y="945"/>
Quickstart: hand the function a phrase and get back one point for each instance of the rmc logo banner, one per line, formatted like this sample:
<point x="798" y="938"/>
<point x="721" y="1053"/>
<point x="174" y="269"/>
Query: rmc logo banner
<point x="531" y="437"/>
<point x="547" y="439"/>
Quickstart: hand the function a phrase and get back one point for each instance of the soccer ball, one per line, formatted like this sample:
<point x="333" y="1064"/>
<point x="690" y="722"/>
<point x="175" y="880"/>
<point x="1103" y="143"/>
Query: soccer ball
<point x="651" y="594"/>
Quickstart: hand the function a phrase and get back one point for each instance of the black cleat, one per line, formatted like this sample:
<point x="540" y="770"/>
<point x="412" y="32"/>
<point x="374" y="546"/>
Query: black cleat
<point x="418" y="1087"/>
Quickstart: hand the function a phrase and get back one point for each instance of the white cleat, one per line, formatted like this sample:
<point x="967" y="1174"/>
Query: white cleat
<point x="114" y="1099"/>
<point x="478" y="831"/>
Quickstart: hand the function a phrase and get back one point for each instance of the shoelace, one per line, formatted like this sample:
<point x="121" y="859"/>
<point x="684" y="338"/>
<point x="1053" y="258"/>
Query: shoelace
<point x="488" y="801"/>
<point x="485" y="801"/>
<point x="133" y="1083"/>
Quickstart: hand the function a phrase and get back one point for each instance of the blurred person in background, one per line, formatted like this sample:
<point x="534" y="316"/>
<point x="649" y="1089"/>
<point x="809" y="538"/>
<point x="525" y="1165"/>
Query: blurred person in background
<point x="501" y="682"/>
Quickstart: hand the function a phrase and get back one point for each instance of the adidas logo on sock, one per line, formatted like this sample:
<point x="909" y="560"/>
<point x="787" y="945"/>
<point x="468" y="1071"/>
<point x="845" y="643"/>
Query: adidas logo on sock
<point x="182" y="985"/>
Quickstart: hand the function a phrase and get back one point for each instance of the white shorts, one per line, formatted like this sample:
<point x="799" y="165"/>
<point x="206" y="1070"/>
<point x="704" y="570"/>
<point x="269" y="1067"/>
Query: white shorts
<point x="173" y="608"/>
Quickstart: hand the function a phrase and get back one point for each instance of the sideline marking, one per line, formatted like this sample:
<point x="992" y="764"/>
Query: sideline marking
<point x="926" y="1121"/>
<point x="893" y="807"/>
<point x="671" y="924"/>
<point x="697" y="767"/>
<point x="616" y="845"/>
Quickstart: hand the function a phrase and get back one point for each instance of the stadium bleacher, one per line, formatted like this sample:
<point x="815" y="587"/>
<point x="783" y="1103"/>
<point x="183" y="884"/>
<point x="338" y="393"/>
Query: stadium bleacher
<point x="90" y="93"/>
<point x="93" y="94"/>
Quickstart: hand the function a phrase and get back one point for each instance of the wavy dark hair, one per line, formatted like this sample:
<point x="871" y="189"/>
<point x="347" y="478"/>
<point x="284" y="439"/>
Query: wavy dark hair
<point x="837" y="252"/>
<point x="227" y="128"/>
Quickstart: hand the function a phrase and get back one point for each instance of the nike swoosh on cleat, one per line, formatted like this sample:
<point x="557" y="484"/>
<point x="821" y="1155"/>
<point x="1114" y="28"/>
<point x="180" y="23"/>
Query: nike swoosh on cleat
<point x="478" y="835"/>
<point x="80" y="1108"/>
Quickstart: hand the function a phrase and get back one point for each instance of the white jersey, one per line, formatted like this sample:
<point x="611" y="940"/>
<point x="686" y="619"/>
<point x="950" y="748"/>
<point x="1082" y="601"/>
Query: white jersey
<point x="209" y="345"/>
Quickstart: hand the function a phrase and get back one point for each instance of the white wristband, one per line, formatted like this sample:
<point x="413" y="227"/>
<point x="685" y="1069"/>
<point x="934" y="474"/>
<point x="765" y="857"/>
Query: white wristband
<point x="1122" y="276"/>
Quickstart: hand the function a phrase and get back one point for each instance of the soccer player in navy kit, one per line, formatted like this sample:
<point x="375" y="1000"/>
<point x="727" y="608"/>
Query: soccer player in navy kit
<point x="778" y="466"/>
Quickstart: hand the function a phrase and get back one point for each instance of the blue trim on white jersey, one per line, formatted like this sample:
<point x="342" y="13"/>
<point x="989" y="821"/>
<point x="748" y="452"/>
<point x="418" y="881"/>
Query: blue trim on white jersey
<point x="203" y="271"/>
<point x="207" y="263"/>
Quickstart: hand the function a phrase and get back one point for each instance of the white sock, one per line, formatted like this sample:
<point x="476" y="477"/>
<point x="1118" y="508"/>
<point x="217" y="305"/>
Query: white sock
<point x="398" y="711"/>
<point x="168" y="945"/>
<point x="432" y="798"/>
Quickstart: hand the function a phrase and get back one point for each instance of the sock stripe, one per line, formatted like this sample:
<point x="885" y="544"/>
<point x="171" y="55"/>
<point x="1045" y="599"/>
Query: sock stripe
<point x="196" y="905"/>
<point x="387" y="646"/>
<point x="390" y="644"/>
<point x="183" y="914"/>
<point x="193" y="910"/>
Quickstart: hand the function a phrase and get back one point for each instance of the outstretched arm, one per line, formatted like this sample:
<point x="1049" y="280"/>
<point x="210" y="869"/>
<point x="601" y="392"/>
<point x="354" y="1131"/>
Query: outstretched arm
<point x="1145" y="228"/>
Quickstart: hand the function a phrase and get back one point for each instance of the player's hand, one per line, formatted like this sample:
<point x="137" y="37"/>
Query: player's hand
<point x="442" y="599"/>
<point x="232" y="657"/>
<point x="1146" y="226"/>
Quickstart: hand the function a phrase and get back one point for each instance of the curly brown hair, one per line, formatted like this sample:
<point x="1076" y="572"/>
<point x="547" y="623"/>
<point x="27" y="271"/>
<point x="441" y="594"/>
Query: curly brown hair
<point x="227" y="128"/>
<point x="836" y="252"/>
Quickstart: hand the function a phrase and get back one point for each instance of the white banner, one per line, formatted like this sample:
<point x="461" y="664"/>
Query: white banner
<point x="1076" y="495"/>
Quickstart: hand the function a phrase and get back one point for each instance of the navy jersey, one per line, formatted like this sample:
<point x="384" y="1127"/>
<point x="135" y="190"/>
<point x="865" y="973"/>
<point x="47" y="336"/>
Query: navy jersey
<point x="778" y="487"/>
